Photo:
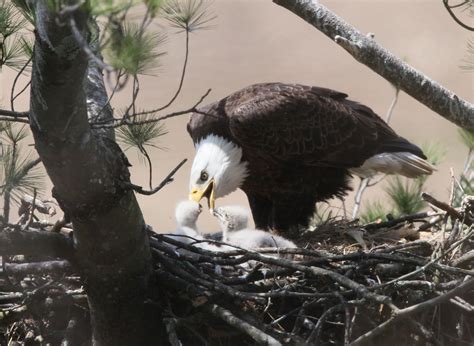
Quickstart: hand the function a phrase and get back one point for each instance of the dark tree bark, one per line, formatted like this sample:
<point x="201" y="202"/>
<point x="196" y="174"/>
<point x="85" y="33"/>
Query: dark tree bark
<point x="90" y="176"/>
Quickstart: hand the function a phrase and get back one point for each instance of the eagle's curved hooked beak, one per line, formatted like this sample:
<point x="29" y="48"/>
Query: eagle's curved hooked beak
<point x="197" y="194"/>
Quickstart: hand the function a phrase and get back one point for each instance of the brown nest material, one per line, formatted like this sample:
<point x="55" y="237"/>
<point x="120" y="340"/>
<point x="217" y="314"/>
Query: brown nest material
<point x="404" y="281"/>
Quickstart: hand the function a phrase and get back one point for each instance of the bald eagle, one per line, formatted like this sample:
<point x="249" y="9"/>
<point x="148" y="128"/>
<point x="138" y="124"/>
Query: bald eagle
<point x="288" y="146"/>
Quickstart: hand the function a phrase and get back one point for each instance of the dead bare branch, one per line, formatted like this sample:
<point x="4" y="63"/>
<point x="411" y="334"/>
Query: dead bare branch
<point x="366" y="50"/>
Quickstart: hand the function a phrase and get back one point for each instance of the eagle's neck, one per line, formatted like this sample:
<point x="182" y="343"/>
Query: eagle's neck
<point x="224" y="162"/>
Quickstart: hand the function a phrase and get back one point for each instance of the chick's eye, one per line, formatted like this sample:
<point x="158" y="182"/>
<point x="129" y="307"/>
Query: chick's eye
<point x="204" y="176"/>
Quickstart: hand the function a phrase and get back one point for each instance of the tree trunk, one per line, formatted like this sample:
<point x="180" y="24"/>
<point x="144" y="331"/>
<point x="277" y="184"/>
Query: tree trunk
<point x="90" y="176"/>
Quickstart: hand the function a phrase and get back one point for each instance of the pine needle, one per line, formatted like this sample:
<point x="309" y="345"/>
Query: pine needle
<point x="405" y="195"/>
<point x="13" y="53"/>
<point x="374" y="211"/>
<point x="11" y="20"/>
<point x="141" y="135"/>
<point x="189" y="15"/>
<point x="435" y="152"/>
<point x="20" y="175"/>
<point x="467" y="138"/>
<point x="134" y="51"/>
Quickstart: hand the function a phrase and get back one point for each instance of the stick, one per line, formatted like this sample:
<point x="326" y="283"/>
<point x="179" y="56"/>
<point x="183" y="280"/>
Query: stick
<point x="412" y="310"/>
<point x="446" y="207"/>
<point x="260" y="337"/>
<point x="41" y="268"/>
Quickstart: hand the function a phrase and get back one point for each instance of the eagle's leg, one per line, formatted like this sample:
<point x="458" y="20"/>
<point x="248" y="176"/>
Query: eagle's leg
<point x="291" y="212"/>
<point x="261" y="210"/>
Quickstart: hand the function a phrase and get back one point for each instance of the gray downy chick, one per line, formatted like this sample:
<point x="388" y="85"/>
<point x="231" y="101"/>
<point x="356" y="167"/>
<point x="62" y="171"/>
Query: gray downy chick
<point x="186" y="215"/>
<point x="231" y="218"/>
<point x="234" y="220"/>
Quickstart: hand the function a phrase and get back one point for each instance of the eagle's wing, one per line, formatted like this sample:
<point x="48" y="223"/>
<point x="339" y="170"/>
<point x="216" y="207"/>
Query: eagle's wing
<point x="309" y="125"/>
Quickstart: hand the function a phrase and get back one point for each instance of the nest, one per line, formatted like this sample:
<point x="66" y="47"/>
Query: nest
<point x="404" y="281"/>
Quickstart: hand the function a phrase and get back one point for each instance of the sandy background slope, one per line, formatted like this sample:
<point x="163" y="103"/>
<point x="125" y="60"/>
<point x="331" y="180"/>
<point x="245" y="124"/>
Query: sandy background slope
<point x="254" y="41"/>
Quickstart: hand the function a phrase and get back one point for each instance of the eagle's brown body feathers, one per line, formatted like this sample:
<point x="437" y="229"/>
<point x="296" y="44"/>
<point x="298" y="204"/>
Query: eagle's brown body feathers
<point x="299" y="142"/>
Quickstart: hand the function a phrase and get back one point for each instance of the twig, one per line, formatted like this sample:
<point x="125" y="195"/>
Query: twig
<point x="462" y="304"/>
<point x="394" y="222"/>
<point x="106" y="124"/>
<point x="467" y="163"/>
<point x="135" y="91"/>
<point x="12" y="94"/>
<point x="464" y="259"/>
<point x="260" y="337"/>
<point x="392" y="106"/>
<point x="58" y="225"/>
<point x="41" y="268"/>
<point x="14" y="120"/>
<point x="446" y="207"/>
<point x="314" y="337"/>
<point x="412" y="310"/>
<point x="181" y="80"/>
<point x="27" y="202"/>
<point x="150" y="166"/>
<point x="30" y="212"/>
<point x="13" y="114"/>
<point x="431" y="262"/>
<point x="169" y="178"/>
<point x="456" y="19"/>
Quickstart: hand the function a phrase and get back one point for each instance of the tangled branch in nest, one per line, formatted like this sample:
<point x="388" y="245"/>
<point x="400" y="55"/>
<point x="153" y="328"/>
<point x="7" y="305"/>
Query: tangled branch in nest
<point x="346" y="284"/>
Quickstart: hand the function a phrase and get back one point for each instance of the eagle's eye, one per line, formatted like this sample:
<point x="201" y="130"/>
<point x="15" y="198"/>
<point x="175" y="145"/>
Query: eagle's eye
<point x="204" y="176"/>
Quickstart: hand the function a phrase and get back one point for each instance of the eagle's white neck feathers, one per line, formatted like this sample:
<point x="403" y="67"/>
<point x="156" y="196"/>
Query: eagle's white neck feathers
<point x="221" y="160"/>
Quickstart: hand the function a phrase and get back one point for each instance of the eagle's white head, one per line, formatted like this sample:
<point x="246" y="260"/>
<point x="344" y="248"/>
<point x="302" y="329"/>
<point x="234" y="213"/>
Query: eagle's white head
<point x="217" y="169"/>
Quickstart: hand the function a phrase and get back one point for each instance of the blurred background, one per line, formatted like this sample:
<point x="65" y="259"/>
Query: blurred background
<point x="254" y="41"/>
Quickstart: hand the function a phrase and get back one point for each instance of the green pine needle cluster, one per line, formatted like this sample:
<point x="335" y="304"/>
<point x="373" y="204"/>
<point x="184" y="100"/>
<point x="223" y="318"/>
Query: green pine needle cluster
<point x="405" y="195"/>
<point x="23" y="6"/>
<point x="19" y="173"/>
<point x="140" y="136"/>
<point x="132" y="50"/>
<point x="435" y="152"/>
<point x="11" y="20"/>
<point x="467" y="137"/>
<point x="374" y="211"/>
<point x="189" y="15"/>
<point x="466" y="179"/>
<point x="468" y="61"/>
<point x="12" y="52"/>
<point x="153" y="6"/>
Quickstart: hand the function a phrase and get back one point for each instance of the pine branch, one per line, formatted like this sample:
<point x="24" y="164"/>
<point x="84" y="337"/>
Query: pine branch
<point x="14" y="115"/>
<point x="365" y="50"/>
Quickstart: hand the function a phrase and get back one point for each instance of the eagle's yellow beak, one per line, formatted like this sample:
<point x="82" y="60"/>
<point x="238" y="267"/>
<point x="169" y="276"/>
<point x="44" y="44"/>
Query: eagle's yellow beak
<point x="197" y="194"/>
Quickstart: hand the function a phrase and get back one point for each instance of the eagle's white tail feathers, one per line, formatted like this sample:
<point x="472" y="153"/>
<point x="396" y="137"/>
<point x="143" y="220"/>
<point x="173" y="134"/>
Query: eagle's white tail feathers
<point x="402" y="163"/>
